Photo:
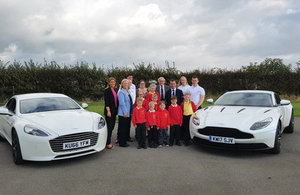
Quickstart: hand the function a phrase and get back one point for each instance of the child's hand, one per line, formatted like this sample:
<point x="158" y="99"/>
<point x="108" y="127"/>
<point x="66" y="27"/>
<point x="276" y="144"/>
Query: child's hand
<point x="148" y="129"/>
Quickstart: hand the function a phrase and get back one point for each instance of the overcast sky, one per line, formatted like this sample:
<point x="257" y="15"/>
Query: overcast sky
<point x="192" y="33"/>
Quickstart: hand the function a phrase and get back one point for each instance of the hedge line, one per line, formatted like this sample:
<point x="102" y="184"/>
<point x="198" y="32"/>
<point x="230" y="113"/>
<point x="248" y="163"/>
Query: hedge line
<point x="82" y="81"/>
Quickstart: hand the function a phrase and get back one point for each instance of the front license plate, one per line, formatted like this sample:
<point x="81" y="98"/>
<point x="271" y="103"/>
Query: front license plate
<point x="78" y="144"/>
<point x="226" y="140"/>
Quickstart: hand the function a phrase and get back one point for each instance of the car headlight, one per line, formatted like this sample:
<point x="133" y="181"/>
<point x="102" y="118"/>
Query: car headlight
<point x="101" y="123"/>
<point x="261" y="124"/>
<point x="35" y="131"/>
<point x="196" y="120"/>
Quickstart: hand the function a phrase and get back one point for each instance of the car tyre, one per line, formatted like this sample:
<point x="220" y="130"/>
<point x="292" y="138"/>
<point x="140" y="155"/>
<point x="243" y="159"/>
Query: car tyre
<point x="1" y="138"/>
<point x="16" y="149"/>
<point x="277" y="143"/>
<point x="290" y="128"/>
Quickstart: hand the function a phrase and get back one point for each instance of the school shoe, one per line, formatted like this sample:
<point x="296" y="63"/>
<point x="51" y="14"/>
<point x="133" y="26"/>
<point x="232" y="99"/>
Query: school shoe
<point x="178" y="143"/>
<point x="160" y="146"/>
<point x="145" y="147"/>
<point x="124" y="145"/>
<point x="139" y="147"/>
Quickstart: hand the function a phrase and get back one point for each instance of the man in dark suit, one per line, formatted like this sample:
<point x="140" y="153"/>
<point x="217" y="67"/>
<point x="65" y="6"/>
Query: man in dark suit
<point x="173" y="91"/>
<point x="162" y="88"/>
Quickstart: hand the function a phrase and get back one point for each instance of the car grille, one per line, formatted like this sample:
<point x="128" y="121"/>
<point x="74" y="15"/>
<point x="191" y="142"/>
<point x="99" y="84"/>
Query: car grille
<point x="225" y="132"/>
<point x="57" y="143"/>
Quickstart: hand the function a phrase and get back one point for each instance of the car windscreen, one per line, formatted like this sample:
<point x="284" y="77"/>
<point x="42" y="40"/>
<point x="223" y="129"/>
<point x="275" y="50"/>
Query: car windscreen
<point x="245" y="99"/>
<point x="47" y="104"/>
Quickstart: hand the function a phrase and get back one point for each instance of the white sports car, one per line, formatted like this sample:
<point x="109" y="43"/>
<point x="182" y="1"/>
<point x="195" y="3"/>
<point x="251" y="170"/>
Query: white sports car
<point x="47" y="126"/>
<point x="249" y="119"/>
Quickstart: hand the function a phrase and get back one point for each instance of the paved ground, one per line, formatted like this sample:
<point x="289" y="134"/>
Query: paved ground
<point x="174" y="170"/>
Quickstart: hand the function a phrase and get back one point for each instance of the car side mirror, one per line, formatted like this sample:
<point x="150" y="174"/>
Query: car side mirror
<point x="84" y="105"/>
<point x="210" y="101"/>
<point x="5" y="111"/>
<point x="285" y="102"/>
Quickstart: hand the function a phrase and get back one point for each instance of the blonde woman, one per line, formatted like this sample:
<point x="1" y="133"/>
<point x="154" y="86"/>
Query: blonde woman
<point x="184" y="85"/>
<point x="125" y="106"/>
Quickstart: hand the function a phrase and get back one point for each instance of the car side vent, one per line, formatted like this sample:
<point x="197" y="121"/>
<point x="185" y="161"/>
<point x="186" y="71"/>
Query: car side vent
<point x="241" y="110"/>
<point x="222" y="109"/>
<point x="267" y="111"/>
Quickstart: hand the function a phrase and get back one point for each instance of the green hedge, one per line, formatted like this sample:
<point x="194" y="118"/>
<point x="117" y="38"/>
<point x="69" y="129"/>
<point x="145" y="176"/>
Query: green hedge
<point x="84" y="81"/>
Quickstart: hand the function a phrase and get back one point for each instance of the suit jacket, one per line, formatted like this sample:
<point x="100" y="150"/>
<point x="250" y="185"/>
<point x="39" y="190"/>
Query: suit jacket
<point x="125" y="105"/>
<point x="109" y="100"/>
<point x="166" y="88"/>
<point x="179" y="95"/>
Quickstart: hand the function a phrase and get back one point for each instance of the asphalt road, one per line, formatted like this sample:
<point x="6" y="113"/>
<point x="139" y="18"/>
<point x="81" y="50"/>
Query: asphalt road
<point x="173" y="170"/>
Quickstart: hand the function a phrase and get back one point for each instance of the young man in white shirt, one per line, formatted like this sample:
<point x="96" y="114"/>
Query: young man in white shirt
<point x="132" y="89"/>
<point x="197" y="92"/>
<point x="132" y="93"/>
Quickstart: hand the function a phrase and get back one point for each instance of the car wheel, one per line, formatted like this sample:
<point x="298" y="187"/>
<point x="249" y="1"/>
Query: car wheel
<point x="16" y="149"/>
<point x="1" y="138"/>
<point x="277" y="143"/>
<point x="290" y="128"/>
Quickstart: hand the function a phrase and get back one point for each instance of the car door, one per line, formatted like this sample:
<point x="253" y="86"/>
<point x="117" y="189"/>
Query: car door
<point x="8" y="121"/>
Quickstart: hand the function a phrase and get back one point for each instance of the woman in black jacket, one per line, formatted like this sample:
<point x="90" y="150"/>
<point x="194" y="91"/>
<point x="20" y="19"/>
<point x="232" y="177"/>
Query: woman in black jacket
<point x="110" y="109"/>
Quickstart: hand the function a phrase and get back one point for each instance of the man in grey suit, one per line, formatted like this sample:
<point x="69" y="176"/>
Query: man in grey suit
<point x="162" y="88"/>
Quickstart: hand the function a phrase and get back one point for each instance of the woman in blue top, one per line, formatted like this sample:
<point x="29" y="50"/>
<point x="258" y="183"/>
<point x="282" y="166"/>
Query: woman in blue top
<point x="125" y="104"/>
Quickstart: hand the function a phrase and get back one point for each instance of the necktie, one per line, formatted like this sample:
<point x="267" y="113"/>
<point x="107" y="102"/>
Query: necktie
<point x="173" y="94"/>
<point x="162" y="92"/>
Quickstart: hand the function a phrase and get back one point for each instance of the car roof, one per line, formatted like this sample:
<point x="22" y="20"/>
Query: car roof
<point x="251" y="91"/>
<point x="37" y="95"/>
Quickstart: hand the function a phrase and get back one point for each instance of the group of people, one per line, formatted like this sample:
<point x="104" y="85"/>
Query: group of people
<point x="152" y="111"/>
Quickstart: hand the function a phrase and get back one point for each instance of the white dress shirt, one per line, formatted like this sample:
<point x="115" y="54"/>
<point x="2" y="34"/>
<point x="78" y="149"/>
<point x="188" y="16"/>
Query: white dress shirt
<point x="195" y="93"/>
<point x="132" y="92"/>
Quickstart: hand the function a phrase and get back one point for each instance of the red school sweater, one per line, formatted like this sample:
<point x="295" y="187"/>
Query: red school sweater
<point x="149" y="96"/>
<point x="164" y="119"/>
<point x="175" y="113"/>
<point x="138" y="116"/>
<point x="152" y="119"/>
<point x="193" y="106"/>
<point x="145" y="104"/>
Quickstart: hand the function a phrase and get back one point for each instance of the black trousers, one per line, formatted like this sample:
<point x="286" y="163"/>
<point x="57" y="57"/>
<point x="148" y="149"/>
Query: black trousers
<point x="110" y="121"/>
<point x="153" y="136"/>
<point x="123" y="128"/>
<point x="128" y="131"/>
<point x="174" y="134"/>
<point x="186" y="129"/>
<point x="141" y="134"/>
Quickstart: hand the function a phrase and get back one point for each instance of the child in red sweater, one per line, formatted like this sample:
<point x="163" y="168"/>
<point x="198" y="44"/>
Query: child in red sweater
<point x="139" y="122"/>
<point x="152" y="126"/>
<point x="155" y="100"/>
<point x="164" y="123"/>
<point x="145" y="102"/>
<point x="151" y="92"/>
<point x="175" y="121"/>
<point x="188" y="109"/>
